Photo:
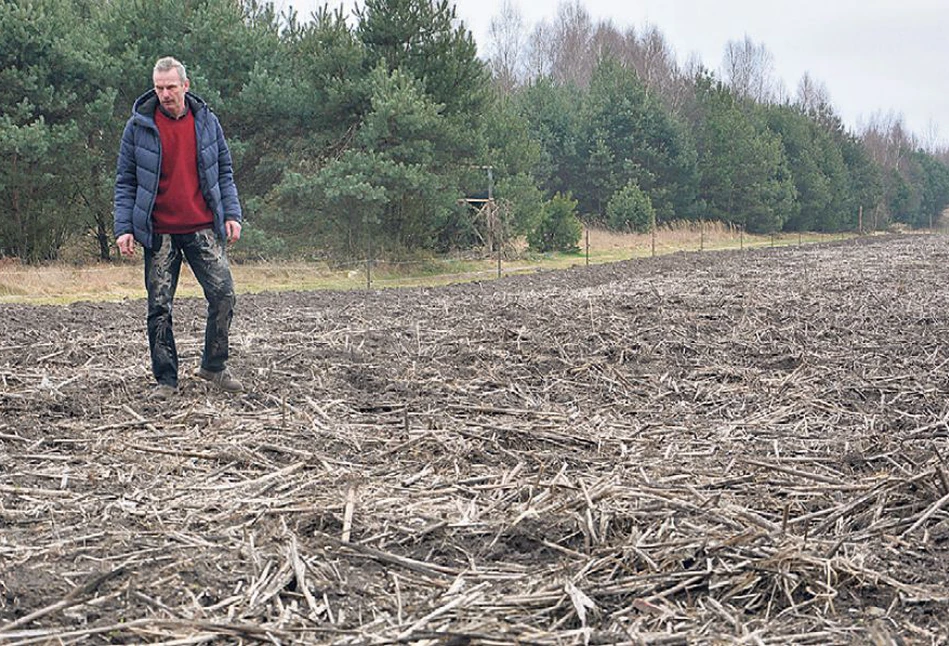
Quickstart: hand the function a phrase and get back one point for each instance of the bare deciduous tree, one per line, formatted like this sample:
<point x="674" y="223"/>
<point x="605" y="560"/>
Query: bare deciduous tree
<point x="813" y="98"/>
<point x="658" y="66"/>
<point x="607" y="42"/>
<point x="506" y="47"/>
<point x="572" y="40"/>
<point x="887" y="140"/>
<point x="748" y="68"/>
<point x="931" y="139"/>
<point x="539" y="61"/>
<point x="693" y="66"/>
<point x="568" y="50"/>
<point x="812" y="95"/>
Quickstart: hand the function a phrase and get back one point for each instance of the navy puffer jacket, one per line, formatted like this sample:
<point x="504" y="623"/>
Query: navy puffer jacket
<point x="139" y="167"/>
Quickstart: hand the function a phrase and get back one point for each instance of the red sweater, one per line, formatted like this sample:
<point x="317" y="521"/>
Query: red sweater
<point x="179" y="206"/>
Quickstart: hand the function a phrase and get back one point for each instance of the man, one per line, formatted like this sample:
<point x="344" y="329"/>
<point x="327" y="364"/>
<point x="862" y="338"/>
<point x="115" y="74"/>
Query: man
<point x="175" y="195"/>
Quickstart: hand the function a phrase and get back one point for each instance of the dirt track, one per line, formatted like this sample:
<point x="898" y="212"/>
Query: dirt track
<point x="697" y="448"/>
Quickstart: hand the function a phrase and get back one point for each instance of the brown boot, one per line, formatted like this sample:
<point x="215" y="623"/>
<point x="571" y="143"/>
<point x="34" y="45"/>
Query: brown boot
<point x="222" y="380"/>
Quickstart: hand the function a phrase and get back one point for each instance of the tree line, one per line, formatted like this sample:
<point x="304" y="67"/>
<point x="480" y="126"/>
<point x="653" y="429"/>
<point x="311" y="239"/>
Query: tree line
<point x="365" y="135"/>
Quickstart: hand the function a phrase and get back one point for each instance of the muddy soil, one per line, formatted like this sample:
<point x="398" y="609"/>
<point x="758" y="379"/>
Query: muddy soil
<point x="698" y="448"/>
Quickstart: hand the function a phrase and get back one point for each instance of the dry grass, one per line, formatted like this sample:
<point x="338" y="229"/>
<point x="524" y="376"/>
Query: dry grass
<point x="689" y="236"/>
<point x="65" y="283"/>
<point x="60" y="283"/>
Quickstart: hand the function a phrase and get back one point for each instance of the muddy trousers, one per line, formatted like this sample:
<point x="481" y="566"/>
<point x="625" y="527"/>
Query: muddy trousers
<point x="206" y="256"/>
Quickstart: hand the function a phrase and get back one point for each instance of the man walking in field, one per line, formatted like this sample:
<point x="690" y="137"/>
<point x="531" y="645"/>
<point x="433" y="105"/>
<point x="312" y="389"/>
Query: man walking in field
<point x="175" y="195"/>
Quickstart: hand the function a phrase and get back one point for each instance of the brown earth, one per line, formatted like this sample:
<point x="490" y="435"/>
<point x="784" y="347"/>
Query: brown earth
<point x="745" y="446"/>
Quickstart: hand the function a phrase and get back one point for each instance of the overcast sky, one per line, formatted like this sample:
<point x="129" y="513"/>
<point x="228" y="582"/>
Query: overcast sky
<point x="875" y="57"/>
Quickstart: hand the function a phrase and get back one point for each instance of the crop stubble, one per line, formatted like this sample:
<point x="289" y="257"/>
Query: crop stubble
<point x="700" y="448"/>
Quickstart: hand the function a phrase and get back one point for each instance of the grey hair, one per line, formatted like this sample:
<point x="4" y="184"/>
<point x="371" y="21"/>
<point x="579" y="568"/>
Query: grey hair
<point x="168" y="63"/>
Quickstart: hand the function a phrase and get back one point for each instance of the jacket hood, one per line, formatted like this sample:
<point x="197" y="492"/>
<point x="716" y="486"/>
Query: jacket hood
<point x="146" y="104"/>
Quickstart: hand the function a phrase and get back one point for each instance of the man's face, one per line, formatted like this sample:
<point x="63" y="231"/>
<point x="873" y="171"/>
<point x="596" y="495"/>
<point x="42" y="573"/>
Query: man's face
<point x="170" y="91"/>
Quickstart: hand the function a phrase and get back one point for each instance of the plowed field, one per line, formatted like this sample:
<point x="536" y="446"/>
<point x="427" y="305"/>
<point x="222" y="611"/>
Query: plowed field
<point x="742" y="446"/>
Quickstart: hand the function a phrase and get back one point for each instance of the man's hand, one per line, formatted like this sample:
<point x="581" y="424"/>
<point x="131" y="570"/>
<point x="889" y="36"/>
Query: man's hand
<point x="126" y="244"/>
<point x="233" y="230"/>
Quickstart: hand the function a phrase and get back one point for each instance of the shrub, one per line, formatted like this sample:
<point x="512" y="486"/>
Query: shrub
<point x="631" y="208"/>
<point x="559" y="228"/>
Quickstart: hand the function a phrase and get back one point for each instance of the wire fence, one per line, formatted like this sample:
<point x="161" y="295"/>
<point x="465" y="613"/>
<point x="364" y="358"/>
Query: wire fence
<point x="597" y="246"/>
